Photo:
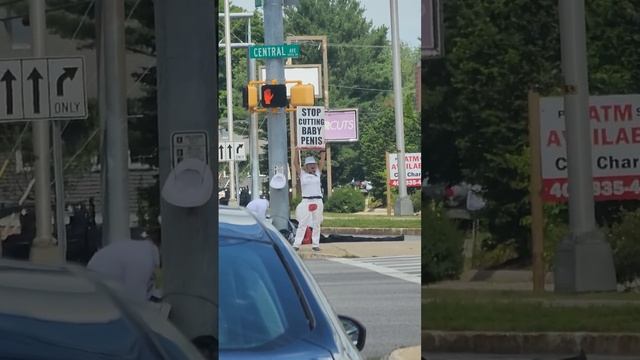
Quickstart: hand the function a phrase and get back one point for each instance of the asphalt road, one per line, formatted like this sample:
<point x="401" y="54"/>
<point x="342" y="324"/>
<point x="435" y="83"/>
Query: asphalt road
<point x="388" y="307"/>
<point x="446" y="356"/>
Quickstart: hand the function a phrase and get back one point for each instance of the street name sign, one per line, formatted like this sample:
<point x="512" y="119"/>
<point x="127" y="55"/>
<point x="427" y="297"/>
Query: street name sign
<point x="189" y="145"/>
<point x="615" y="139"/>
<point x="413" y="169"/>
<point x="310" y="121"/>
<point x="232" y="150"/>
<point x="274" y="51"/>
<point x="42" y="88"/>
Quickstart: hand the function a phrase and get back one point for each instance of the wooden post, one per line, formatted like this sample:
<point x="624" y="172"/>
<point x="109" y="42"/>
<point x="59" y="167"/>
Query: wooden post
<point x="386" y="171"/>
<point x="537" y="215"/>
<point x="294" y="153"/>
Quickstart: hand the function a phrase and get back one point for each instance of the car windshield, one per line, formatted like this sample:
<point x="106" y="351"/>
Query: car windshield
<point x="259" y="306"/>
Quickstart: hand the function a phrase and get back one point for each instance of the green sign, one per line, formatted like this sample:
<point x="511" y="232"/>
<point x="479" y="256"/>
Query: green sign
<point x="274" y="51"/>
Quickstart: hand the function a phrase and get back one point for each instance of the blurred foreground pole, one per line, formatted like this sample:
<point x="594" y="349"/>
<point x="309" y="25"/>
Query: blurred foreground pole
<point x="187" y="92"/>
<point x="584" y="261"/>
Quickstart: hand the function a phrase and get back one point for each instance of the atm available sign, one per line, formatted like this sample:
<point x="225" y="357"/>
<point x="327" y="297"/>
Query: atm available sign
<point x="615" y="136"/>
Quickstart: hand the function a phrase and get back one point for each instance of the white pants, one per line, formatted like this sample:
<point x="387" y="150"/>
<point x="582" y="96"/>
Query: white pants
<point x="308" y="218"/>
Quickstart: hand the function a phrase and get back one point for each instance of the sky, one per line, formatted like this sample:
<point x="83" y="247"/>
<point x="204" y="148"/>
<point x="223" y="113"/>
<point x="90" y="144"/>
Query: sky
<point x="378" y="11"/>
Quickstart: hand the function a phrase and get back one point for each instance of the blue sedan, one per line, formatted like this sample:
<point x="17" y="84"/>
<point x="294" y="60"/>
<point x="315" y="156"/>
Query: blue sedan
<point x="270" y="307"/>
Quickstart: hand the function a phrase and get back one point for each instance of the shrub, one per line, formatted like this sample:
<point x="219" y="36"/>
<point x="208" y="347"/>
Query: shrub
<point x="442" y="242"/>
<point x="345" y="200"/>
<point x="416" y="200"/>
<point x="625" y="243"/>
<point x="295" y="201"/>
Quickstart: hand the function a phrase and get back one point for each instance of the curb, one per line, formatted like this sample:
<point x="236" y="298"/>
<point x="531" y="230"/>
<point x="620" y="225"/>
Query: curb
<point x="524" y="343"/>
<point x="408" y="353"/>
<point x="370" y="231"/>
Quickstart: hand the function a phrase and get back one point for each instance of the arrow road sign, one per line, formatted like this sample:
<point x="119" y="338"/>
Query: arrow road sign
<point x="35" y="92"/>
<point x="69" y="73"/>
<point x="231" y="150"/>
<point x="42" y="88"/>
<point x="66" y="76"/>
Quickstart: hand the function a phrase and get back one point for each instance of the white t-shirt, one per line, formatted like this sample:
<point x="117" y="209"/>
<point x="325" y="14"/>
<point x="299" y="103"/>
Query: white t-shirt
<point x="259" y="208"/>
<point x="129" y="262"/>
<point x="310" y="184"/>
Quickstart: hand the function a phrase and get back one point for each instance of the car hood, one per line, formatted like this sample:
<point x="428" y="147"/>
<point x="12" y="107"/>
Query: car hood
<point x="296" y="350"/>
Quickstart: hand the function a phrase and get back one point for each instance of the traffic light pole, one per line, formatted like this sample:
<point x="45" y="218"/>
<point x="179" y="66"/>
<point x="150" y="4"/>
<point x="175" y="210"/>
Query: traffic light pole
<point x="584" y="261"/>
<point x="43" y="242"/>
<point x="186" y="86"/>
<point x="233" y="198"/>
<point x="276" y="121"/>
<point x="403" y="206"/>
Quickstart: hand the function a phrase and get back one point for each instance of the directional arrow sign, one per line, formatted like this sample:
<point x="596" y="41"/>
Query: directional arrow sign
<point x="35" y="91"/>
<point x="10" y="90"/>
<point x="66" y="76"/>
<point x="231" y="151"/>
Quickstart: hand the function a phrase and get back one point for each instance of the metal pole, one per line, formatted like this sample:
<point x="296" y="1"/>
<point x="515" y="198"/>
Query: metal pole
<point x="535" y="189"/>
<point x="41" y="140"/>
<point x="233" y="198"/>
<point x="584" y="260"/>
<point x="186" y="87"/>
<point x="253" y="130"/>
<point x="325" y="80"/>
<point x="58" y="159"/>
<point x="403" y="205"/>
<point x="276" y="121"/>
<point x="102" y="113"/>
<point x="116" y="157"/>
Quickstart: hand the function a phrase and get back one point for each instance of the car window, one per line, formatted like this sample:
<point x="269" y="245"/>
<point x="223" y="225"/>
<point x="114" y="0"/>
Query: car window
<point x="259" y="306"/>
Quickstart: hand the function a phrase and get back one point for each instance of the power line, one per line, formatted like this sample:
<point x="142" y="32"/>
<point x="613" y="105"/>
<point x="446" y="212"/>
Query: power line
<point x="360" y="88"/>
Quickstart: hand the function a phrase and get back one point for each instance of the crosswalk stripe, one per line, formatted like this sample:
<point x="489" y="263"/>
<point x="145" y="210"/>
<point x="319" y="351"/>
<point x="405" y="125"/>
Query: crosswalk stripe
<point x="406" y="268"/>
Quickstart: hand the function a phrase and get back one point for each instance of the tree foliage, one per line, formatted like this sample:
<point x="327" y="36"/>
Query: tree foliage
<point x="475" y="98"/>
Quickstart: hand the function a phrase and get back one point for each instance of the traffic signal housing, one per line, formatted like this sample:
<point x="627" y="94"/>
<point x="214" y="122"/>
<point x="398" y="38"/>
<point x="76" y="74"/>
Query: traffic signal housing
<point x="250" y="97"/>
<point x="274" y="95"/>
<point x="302" y="95"/>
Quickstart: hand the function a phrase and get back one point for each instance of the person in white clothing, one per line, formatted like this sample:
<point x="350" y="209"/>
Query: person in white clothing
<point x="309" y="211"/>
<point x="129" y="262"/>
<point x="259" y="207"/>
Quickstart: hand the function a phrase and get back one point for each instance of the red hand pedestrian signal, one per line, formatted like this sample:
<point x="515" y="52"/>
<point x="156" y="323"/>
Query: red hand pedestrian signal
<point x="274" y="96"/>
<point x="267" y="97"/>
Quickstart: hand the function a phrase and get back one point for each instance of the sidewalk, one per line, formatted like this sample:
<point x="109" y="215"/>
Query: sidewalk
<point x="411" y="353"/>
<point x="362" y="249"/>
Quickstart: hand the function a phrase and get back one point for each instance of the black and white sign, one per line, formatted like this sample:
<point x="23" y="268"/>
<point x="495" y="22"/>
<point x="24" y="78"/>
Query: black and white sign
<point x="235" y="151"/>
<point x="10" y="90"/>
<point x="42" y="88"/>
<point x="189" y="145"/>
<point x="310" y="121"/>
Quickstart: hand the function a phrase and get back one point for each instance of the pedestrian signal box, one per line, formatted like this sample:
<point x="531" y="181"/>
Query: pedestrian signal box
<point x="302" y="95"/>
<point x="250" y="97"/>
<point x="274" y="96"/>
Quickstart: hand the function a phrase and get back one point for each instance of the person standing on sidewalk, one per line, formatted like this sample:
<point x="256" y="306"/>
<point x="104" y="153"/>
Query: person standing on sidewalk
<point x="309" y="211"/>
<point x="259" y="207"/>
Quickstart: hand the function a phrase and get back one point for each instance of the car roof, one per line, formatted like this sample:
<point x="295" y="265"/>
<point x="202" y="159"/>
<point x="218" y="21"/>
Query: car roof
<point x="52" y="293"/>
<point x="240" y="224"/>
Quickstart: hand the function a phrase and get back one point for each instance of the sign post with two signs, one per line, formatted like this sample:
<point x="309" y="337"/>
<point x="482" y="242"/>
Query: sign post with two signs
<point x="46" y="88"/>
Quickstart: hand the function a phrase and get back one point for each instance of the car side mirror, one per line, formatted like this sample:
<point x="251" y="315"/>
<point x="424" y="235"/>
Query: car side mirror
<point x="355" y="331"/>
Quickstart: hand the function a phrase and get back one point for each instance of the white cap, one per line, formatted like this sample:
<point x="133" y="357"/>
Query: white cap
<point x="190" y="184"/>
<point x="278" y="181"/>
<point x="309" y="160"/>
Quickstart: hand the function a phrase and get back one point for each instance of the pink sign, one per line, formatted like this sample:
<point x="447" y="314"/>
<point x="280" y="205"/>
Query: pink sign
<point x="341" y="125"/>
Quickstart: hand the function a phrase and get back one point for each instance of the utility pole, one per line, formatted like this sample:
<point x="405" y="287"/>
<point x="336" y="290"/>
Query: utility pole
<point x="253" y="130"/>
<point x="43" y="242"/>
<point x="276" y="121"/>
<point x="584" y="261"/>
<point x="115" y="151"/>
<point x="186" y="87"/>
<point x="233" y="192"/>
<point x="403" y="206"/>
